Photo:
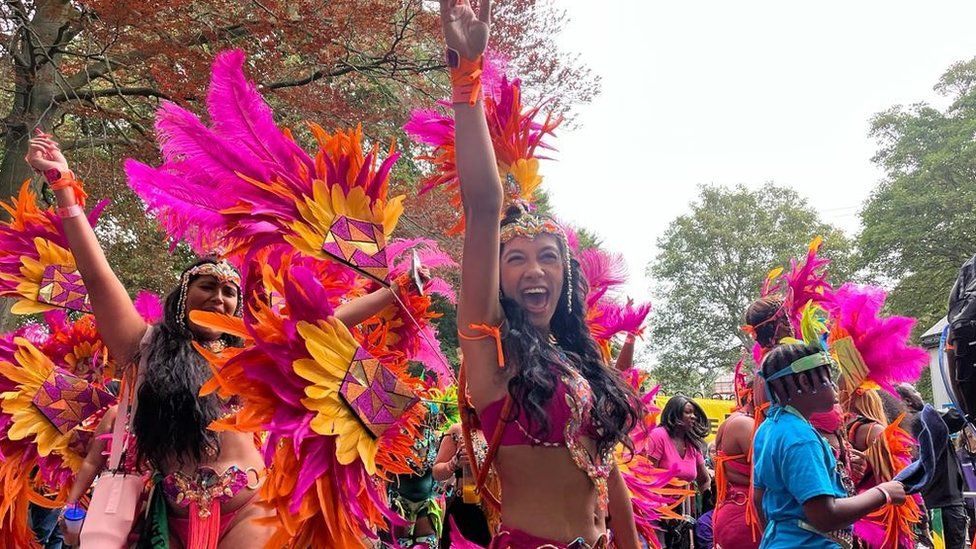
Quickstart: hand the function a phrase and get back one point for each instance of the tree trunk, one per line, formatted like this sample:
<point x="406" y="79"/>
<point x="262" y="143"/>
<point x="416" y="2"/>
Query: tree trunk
<point x="37" y="80"/>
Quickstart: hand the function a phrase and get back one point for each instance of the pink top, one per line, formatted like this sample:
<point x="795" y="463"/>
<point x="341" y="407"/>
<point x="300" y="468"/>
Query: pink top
<point x="661" y="449"/>
<point x="568" y="413"/>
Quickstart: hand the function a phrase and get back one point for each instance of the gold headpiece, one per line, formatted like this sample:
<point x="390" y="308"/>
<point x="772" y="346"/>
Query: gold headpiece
<point x="529" y="225"/>
<point x="223" y="271"/>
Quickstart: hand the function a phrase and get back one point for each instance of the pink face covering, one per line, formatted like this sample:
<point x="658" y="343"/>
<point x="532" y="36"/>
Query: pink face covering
<point x="828" y="422"/>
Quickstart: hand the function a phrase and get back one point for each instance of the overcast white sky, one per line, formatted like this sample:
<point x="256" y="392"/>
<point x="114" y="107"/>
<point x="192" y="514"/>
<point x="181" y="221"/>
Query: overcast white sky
<point x="733" y="92"/>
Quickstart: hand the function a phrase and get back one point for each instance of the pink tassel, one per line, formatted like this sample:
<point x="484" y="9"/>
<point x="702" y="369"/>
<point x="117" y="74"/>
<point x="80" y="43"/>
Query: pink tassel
<point x="204" y="532"/>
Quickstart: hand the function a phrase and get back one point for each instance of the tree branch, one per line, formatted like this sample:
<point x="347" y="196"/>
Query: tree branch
<point x="88" y="95"/>
<point x="78" y="144"/>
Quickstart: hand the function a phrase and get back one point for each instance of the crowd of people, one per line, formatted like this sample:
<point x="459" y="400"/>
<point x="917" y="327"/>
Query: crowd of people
<point x="290" y="390"/>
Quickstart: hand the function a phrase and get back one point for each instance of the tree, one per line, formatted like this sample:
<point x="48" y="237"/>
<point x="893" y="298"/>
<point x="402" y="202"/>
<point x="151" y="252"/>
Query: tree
<point x="918" y="222"/>
<point x="710" y="267"/>
<point x="93" y="72"/>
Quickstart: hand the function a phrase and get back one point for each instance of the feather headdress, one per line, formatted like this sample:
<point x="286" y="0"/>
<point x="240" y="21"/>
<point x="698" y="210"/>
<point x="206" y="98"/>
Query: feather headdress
<point x="302" y="378"/>
<point x="517" y="133"/>
<point x="882" y="342"/>
<point x="36" y="267"/>
<point x="242" y="183"/>
<point x="805" y="282"/>
<point x="606" y="314"/>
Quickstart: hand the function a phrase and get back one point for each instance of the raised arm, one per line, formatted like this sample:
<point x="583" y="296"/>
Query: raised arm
<point x="119" y="324"/>
<point x="362" y="308"/>
<point x="466" y="33"/>
<point x="625" y="360"/>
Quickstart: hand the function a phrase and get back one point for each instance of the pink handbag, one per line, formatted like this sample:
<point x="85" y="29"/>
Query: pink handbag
<point x="114" y="505"/>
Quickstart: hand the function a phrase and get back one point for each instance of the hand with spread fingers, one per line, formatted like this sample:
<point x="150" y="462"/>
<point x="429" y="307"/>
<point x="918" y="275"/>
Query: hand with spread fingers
<point x="464" y="31"/>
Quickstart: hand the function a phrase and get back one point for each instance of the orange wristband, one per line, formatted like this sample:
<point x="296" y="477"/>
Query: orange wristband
<point x="466" y="80"/>
<point x="67" y="181"/>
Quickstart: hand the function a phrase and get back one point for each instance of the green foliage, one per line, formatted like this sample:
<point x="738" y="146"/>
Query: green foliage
<point x="447" y="330"/>
<point x="710" y="267"/>
<point x="918" y="223"/>
<point x="588" y="239"/>
<point x="924" y="385"/>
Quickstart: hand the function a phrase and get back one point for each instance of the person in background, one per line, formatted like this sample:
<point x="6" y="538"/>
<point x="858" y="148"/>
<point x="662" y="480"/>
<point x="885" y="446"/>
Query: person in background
<point x="469" y="518"/>
<point x="733" y="471"/>
<point x="679" y="440"/>
<point x="795" y="473"/>
<point x="966" y="445"/>
<point x="943" y="496"/>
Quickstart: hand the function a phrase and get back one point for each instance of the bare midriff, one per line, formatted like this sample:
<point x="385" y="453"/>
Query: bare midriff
<point x="544" y="493"/>
<point x="235" y="449"/>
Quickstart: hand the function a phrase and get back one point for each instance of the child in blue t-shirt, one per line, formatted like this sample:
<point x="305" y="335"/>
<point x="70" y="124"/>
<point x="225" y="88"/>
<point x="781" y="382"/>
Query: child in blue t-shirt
<point x="803" y="500"/>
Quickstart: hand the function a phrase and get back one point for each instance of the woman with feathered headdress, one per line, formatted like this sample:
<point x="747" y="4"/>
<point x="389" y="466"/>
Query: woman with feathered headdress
<point x="551" y="408"/>
<point x="210" y="478"/>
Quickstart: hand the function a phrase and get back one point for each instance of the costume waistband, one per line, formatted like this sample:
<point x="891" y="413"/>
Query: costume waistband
<point x="736" y="494"/>
<point x="513" y="538"/>
<point x="843" y="538"/>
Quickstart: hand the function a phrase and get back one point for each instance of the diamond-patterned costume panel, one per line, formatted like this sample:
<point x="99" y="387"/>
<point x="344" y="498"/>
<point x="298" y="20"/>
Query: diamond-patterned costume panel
<point x="358" y="243"/>
<point x="81" y="438"/>
<point x="63" y="288"/>
<point x="67" y="400"/>
<point x="375" y="394"/>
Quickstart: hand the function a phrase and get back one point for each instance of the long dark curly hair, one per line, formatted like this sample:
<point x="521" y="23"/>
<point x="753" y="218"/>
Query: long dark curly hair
<point x="673" y="414"/>
<point x="616" y="409"/>
<point x="171" y="421"/>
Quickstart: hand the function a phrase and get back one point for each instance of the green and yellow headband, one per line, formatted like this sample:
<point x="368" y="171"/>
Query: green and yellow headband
<point x="800" y="365"/>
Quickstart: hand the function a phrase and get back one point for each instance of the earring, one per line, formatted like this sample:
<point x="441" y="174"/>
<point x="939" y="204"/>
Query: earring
<point x="569" y="296"/>
<point x="569" y="283"/>
<point x="181" y="306"/>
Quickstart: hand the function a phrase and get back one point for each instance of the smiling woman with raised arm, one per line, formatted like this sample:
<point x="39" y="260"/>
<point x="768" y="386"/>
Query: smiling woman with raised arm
<point x="551" y="409"/>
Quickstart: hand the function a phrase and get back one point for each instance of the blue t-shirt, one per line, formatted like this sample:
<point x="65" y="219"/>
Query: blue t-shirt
<point x="792" y="464"/>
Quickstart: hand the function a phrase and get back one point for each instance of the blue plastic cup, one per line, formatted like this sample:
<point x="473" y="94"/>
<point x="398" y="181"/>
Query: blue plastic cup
<point x="74" y="516"/>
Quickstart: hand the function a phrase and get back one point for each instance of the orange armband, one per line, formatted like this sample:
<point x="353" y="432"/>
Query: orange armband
<point x="494" y="332"/>
<point x="465" y="79"/>
<point x="68" y="181"/>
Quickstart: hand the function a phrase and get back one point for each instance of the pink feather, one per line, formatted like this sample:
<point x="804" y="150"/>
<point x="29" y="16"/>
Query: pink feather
<point x="806" y="282"/>
<point x="150" y="306"/>
<point x="200" y="153"/>
<point x="240" y="115"/>
<point x="882" y="341"/>
<point x="184" y="214"/>
<point x="400" y="253"/>
<point x="605" y="272"/>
